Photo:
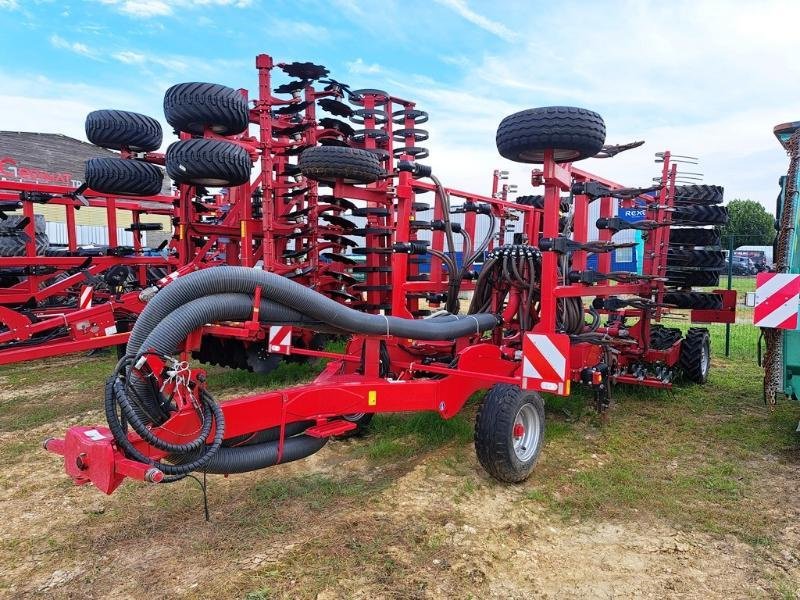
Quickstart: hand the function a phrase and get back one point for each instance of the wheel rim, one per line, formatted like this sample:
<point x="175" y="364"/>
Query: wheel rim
<point x="705" y="360"/>
<point x="526" y="432"/>
<point x="354" y="417"/>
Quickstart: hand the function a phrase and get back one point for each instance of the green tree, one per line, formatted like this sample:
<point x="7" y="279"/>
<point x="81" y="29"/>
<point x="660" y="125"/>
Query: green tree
<point x="750" y="223"/>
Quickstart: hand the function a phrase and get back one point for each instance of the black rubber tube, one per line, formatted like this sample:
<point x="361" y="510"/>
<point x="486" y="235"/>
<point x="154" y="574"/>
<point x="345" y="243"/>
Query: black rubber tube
<point x="242" y="459"/>
<point x="303" y="300"/>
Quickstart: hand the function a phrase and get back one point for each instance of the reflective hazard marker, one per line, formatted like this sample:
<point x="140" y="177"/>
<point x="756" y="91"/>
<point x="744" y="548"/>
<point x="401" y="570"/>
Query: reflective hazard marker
<point x="280" y="339"/>
<point x="777" y="300"/>
<point x="545" y="363"/>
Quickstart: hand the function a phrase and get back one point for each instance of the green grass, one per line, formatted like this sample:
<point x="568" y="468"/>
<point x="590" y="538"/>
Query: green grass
<point x="401" y="435"/>
<point x="315" y="490"/>
<point x="683" y="455"/>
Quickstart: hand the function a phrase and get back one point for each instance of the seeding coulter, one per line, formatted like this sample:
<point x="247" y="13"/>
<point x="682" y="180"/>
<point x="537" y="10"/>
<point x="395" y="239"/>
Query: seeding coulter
<point x="326" y="229"/>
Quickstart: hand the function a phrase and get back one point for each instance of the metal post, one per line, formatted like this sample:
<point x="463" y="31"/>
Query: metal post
<point x="730" y="284"/>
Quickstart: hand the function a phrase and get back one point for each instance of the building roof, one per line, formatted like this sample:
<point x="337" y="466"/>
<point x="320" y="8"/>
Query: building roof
<point x="50" y="158"/>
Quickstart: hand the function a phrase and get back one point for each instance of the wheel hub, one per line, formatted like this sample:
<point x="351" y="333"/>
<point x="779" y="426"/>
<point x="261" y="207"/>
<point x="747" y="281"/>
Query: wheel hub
<point x="525" y="432"/>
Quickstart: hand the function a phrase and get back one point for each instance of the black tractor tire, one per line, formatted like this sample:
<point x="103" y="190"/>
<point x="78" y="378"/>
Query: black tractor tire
<point x="696" y="300"/>
<point x="12" y="243"/>
<point x="572" y="133"/>
<point x="118" y="129"/>
<point x="328" y="163"/>
<point x="193" y="107"/>
<point x="123" y="177"/>
<point x="694" y="237"/>
<point x="699" y="194"/>
<point x="695" y="356"/>
<point x="206" y="162"/>
<point x="700" y="214"/>
<point x="13" y="222"/>
<point x="686" y="279"/>
<point x="507" y="457"/>
<point x="695" y="259"/>
<point x="663" y="338"/>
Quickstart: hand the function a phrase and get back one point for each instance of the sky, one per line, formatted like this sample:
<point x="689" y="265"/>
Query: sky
<point x="700" y="78"/>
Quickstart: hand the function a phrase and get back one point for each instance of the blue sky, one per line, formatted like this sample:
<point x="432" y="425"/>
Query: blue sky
<point x="708" y="79"/>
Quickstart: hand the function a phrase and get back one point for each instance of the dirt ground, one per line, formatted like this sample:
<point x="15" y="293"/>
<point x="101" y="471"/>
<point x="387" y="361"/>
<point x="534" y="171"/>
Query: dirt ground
<point x="427" y="523"/>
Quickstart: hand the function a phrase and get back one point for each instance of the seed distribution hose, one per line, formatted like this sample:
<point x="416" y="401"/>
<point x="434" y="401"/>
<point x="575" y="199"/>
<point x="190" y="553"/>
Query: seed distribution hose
<point x="226" y="294"/>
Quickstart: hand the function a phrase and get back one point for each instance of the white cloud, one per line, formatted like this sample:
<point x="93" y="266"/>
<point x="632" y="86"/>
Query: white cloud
<point x="9" y="4"/>
<point x="170" y="63"/>
<point x="359" y="67"/>
<point x="494" y="27"/>
<point x="145" y="9"/>
<point x="77" y="47"/>
<point x="37" y="103"/>
<point x="704" y="78"/>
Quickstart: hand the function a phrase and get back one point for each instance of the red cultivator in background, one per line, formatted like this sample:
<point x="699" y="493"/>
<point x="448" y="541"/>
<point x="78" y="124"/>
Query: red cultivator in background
<point x="411" y="345"/>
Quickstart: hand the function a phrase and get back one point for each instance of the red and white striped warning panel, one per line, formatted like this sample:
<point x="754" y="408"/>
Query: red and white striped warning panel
<point x="545" y="363"/>
<point x="280" y="339"/>
<point x="777" y="300"/>
<point x="86" y="297"/>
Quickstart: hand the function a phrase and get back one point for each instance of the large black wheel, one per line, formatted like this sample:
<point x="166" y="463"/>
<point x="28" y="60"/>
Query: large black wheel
<point x="700" y="214"/>
<point x="697" y="300"/>
<point x="572" y="133"/>
<point x="683" y="278"/>
<point x="698" y="194"/>
<point x="12" y="243"/>
<point x="538" y="202"/>
<point x="694" y="237"/>
<point x="123" y="177"/>
<point x="119" y="129"/>
<point x="696" y="259"/>
<point x="695" y="357"/>
<point x="663" y="338"/>
<point x="193" y="107"/>
<point x="509" y="432"/>
<point x="208" y="162"/>
<point x="16" y="223"/>
<point x="328" y="163"/>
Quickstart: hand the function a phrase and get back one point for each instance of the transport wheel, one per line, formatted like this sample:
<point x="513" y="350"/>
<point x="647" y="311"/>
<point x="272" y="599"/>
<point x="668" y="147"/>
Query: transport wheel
<point x="123" y="177"/>
<point x="694" y="237"/>
<point x="509" y="431"/>
<point x="698" y="194"/>
<point x="192" y="107"/>
<point x="14" y="223"/>
<point x="695" y="357"/>
<point x="701" y="214"/>
<point x="208" y="163"/>
<point x="328" y="163"/>
<point x="698" y="300"/>
<point x="572" y="133"/>
<point x="684" y="278"/>
<point x="118" y="128"/>
<point x="697" y="259"/>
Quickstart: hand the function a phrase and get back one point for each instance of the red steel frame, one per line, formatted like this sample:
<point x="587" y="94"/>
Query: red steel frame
<point x="352" y="382"/>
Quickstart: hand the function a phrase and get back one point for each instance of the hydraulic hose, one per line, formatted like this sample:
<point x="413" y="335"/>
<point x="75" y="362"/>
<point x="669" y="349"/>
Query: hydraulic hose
<point x="226" y="294"/>
<point x="304" y="301"/>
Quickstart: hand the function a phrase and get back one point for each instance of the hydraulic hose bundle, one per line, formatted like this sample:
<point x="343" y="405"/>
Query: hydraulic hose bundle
<point x="519" y="268"/>
<point x="133" y="397"/>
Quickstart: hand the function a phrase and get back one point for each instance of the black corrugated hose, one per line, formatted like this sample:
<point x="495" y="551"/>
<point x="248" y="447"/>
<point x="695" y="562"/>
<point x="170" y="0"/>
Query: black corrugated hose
<point x="226" y="294"/>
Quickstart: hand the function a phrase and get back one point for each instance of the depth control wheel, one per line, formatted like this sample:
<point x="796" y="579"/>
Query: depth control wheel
<point x="509" y="432"/>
